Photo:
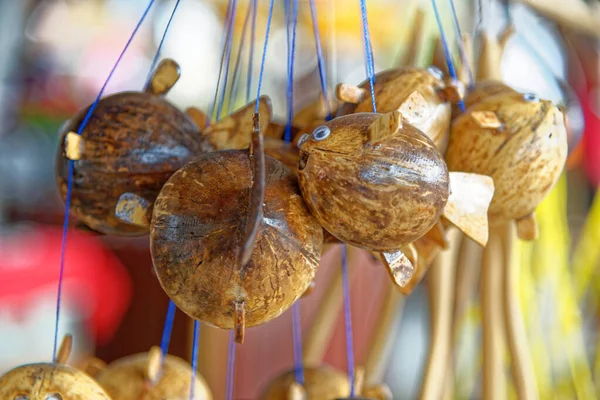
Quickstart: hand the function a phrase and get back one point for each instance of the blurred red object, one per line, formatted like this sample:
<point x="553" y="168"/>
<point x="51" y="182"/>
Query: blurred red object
<point x="591" y="137"/>
<point x="94" y="278"/>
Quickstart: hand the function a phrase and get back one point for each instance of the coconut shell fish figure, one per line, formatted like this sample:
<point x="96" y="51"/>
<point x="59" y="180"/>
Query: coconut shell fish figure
<point x="232" y="241"/>
<point x="376" y="182"/>
<point x="50" y="381"/>
<point x="321" y="383"/>
<point x="521" y="142"/>
<point x="149" y="376"/>
<point x="423" y="96"/>
<point x="133" y="142"/>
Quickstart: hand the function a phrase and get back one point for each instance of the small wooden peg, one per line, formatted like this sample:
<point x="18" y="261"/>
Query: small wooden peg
<point x="415" y="108"/>
<point x="62" y="356"/>
<point x="239" y="321"/>
<point x="385" y="126"/>
<point x="155" y="362"/>
<point x="134" y="209"/>
<point x="486" y="119"/>
<point x="93" y="366"/>
<point x="350" y="93"/>
<point x="527" y="228"/>
<point x="198" y="116"/>
<point x="164" y="77"/>
<point x="399" y="266"/>
<point x="73" y="146"/>
<point x="454" y="91"/>
<point x="296" y="392"/>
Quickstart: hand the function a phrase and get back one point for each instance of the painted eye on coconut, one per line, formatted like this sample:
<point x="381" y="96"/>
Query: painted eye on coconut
<point x="321" y="133"/>
<point x="531" y="97"/>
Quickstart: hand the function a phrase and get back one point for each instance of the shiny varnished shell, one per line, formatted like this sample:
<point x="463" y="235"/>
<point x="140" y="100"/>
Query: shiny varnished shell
<point x="125" y="379"/>
<point x="37" y="381"/>
<point x="376" y="195"/>
<point x="322" y="383"/>
<point x="525" y="156"/>
<point x="197" y="231"/>
<point x="133" y="143"/>
<point x="392" y="89"/>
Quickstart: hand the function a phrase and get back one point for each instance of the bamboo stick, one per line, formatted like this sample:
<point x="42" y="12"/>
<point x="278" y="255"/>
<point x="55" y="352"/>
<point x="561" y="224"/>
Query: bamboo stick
<point x="409" y="57"/>
<point x="575" y="15"/>
<point x="441" y="288"/>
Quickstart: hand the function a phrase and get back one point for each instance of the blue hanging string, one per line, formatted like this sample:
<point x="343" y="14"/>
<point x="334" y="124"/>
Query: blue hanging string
<point x="461" y="45"/>
<point x="194" y="358"/>
<point x="168" y="328"/>
<point x="368" y="51"/>
<point x="230" y="367"/>
<point x="293" y="21"/>
<point x="297" y="334"/>
<point x="320" y="59"/>
<point x="160" y="45"/>
<point x="264" y="56"/>
<point x="251" y="53"/>
<point x="238" y="62"/>
<point x="84" y="123"/>
<point x="348" y="320"/>
<point x="449" y="62"/>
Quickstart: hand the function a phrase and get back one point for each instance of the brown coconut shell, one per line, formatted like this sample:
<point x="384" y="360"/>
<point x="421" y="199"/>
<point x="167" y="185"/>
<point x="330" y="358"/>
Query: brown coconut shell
<point x="417" y="93"/>
<point x="42" y="381"/>
<point x="127" y="379"/>
<point x="518" y="140"/>
<point x="375" y="182"/>
<point x="133" y="143"/>
<point x="198" y="229"/>
<point x="320" y="383"/>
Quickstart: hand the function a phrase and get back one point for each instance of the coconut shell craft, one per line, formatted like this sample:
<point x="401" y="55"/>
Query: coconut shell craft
<point x="149" y="376"/>
<point x="50" y="381"/>
<point x="232" y="241"/>
<point x="133" y="142"/>
<point x="376" y="182"/>
<point x="521" y="142"/>
<point x="321" y="383"/>
<point x="423" y="96"/>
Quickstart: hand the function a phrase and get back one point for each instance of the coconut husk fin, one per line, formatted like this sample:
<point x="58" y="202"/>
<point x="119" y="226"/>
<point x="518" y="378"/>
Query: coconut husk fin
<point x="198" y="116"/>
<point x="256" y="152"/>
<point x="387" y="125"/>
<point x="400" y="268"/>
<point x="239" y="321"/>
<point x="296" y="392"/>
<point x="164" y="77"/>
<point x="415" y="108"/>
<point x="134" y="210"/>
<point x="468" y="204"/>
<point x="74" y="146"/>
<point x="350" y="93"/>
<point x="438" y="235"/>
<point x="64" y="351"/>
<point x="234" y="131"/>
<point x="487" y="119"/>
<point x="527" y="228"/>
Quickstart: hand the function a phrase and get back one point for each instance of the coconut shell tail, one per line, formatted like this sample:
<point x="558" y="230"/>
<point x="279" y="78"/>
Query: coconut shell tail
<point x="350" y="93"/>
<point x="400" y="268"/>
<point x="232" y="132"/>
<point x="155" y="361"/>
<point x="134" y="210"/>
<point x="468" y="204"/>
<point x="527" y="228"/>
<point x="257" y="195"/>
<point x="296" y="392"/>
<point x="164" y="77"/>
<point x="62" y="356"/>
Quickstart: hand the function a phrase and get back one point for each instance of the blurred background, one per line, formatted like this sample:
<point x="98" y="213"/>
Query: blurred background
<point x="56" y="54"/>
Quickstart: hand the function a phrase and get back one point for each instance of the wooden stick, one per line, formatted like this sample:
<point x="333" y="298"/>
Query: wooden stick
<point x="409" y="57"/>
<point x="520" y="354"/>
<point x="384" y="336"/>
<point x="494" y="381"/>
<point x="441" y="288"/>
<point x="574" y="15"/>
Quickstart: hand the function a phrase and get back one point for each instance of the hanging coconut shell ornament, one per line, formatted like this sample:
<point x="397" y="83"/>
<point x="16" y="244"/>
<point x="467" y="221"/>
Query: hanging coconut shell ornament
<point x="232" y="241"/>
<point x="133" y="142"/>
<point x="321" y="383"/>
<point x="423" y="96"/>
<point x="150" y="376"/>
<point x="376" y="182"/>
<point x="50" y="381"/>
<point x="521" y="142"/>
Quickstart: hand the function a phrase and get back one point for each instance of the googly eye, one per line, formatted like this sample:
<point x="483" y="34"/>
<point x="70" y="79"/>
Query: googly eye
<point x="21" y="397"/>
<point x="303" y="139"/>
<point x="54" y="396"/>
<point x="436" y="72"/>
<point x="531" y="97"/>
<point x="321" y="133"/>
